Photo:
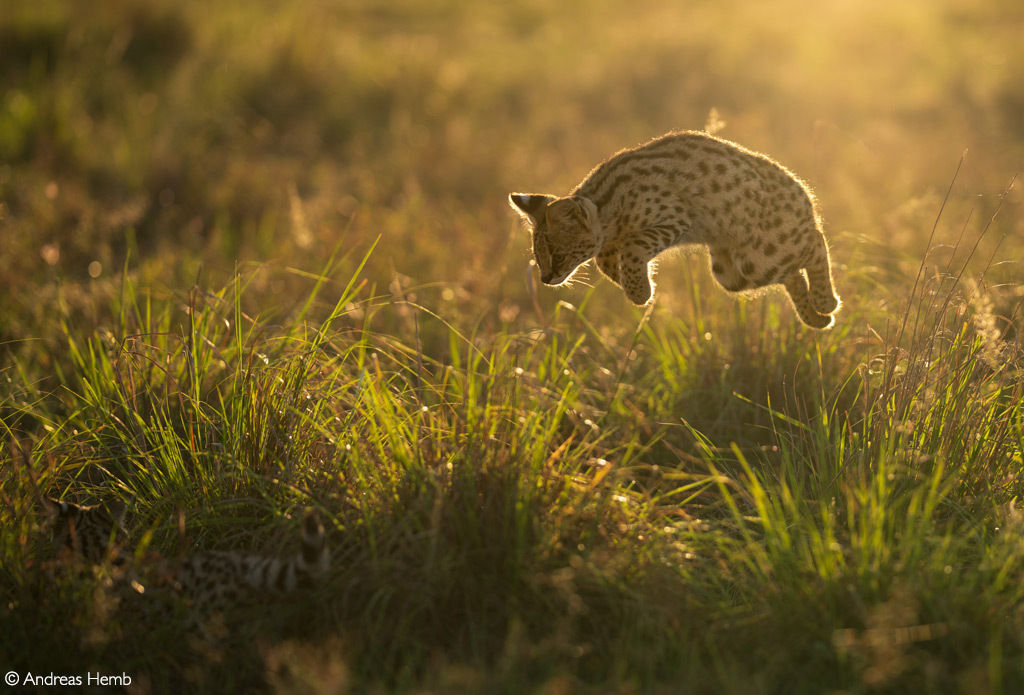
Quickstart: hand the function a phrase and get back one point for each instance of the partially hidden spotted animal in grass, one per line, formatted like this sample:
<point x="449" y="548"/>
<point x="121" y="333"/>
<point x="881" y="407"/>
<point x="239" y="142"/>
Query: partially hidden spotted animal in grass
<point x="93" y="533"/>
<point x="757" y="220"/>
<point x="208" y="580"/>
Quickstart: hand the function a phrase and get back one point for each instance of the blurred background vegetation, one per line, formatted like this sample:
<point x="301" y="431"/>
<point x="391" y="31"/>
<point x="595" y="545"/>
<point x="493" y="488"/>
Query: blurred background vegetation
<point x="161" y="138"/>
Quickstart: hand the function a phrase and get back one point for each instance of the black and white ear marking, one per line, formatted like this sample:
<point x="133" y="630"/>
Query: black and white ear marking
<point x="531" y="204"/>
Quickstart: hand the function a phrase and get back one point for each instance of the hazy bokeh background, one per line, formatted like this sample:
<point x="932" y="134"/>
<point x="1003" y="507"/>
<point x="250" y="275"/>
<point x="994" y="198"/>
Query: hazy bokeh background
<point x="189" y="137"/>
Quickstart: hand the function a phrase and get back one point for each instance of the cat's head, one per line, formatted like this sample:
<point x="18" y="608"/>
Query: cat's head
<point x="86" y="532"/>
<point x="566" y="232"/>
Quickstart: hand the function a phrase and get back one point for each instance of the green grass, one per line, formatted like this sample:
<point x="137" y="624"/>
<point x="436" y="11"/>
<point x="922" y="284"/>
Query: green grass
<point x="258" y="259"/>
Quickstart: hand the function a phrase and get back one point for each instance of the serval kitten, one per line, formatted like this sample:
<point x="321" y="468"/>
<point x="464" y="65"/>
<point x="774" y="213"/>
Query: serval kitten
<point x="757" y="220"/>
<point x="208" y="580"/>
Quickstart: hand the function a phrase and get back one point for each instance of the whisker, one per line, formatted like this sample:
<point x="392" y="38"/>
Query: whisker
<point x="581" y="281"/>
<point x="579" y="277"/>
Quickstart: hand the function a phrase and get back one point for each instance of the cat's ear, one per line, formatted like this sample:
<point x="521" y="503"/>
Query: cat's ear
<point x="586" y="208"/>
<point x="117" y="510"/>
<point x="531" y="205"/>
<point x="573" y="208"/>
<point x="53" y="508"/>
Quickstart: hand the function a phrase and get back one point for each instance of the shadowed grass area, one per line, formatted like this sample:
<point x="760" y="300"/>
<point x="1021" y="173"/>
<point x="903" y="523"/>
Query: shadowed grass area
<point x="258" y="258"/>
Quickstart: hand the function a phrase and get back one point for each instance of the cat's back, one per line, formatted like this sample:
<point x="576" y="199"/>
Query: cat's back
<point x="691" y="165"/>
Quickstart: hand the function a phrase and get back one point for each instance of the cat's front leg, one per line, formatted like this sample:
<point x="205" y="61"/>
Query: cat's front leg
<point x="608" y="263"/>
<point x="635" y="276"/>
